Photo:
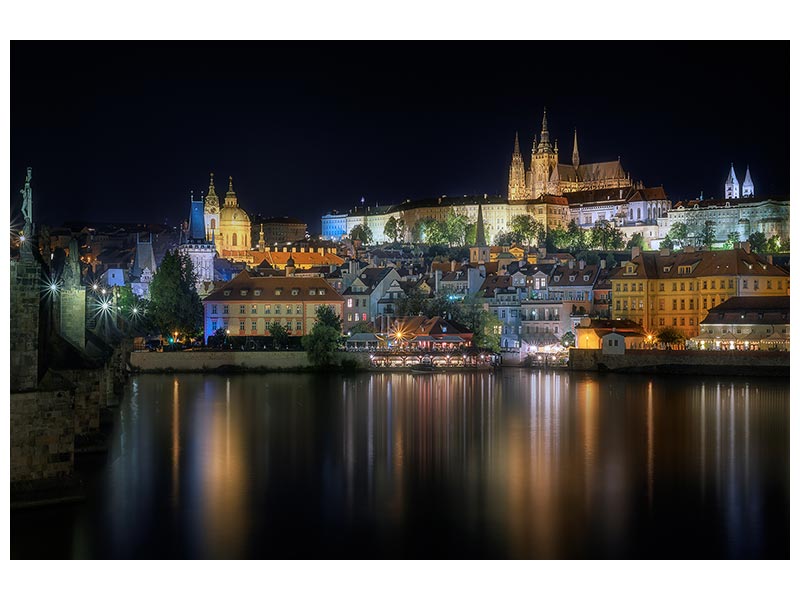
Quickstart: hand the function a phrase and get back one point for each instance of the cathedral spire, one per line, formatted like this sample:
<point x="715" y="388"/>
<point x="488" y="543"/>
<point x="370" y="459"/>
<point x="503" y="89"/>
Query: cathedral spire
<point x="545" y="136"/>
<point x="516" y="144"/>
<point x="748" y="189"/>
<point x="480" y="235"/>
<point x="731" y="185"/>
<point x="211" y="198"/>
<point x="576" y="159"/>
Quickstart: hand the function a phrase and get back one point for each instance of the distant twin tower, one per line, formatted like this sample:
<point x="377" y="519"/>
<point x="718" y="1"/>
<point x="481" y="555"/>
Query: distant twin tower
<point x="732" y="185"/>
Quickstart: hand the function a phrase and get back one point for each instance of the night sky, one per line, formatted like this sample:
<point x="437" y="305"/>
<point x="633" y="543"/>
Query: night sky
<point x="123" y="131"/>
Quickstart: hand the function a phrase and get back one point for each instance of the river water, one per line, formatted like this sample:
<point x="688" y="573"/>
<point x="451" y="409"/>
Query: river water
<point x="512" y="464"/>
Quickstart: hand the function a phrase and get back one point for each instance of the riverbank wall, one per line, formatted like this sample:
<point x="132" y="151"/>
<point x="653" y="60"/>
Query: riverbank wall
<point x="683" y="362"/>
<point x="192" y="362"/>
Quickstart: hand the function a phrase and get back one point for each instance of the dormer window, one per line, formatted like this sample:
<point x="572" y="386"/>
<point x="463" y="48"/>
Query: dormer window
<point x="278" y="291"/>
<point x="256" y="292"/>
<point x="322" y="292"/>
<point x="312" y="292"/>
<point x="226" y="293"/>
<point x="586" y="278"/>
<point x="295" y="291"/>
<point x="572" y="277"/>
<point x="667" y="268"/>
<point x="243" y="292"/>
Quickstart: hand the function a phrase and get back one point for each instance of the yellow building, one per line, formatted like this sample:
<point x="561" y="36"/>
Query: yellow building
<point x="677" y="289"/>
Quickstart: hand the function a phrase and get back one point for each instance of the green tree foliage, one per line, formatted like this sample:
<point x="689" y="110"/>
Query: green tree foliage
<point x="279" y="334"/>
<point x="470" y="234"/>
<point x="678" y="233"/>
<point x="670" y="336"/>
<point x="363" y="327"/>
<point x="218" y="338"/>
<point x="774" y="245"/>
<point x="362" y="233"/>
<point x="390" y="230"/>
<point x="322" y="344"/>
<point x="412" y="305"/>
<point x="327" y="316"/>
<point x="732" y="240"/>
<point x="604" y="236"/>
<point x="708" y="234"/>
<point x="487" y="333"/>
<point x="637" y="239"/>
<point x="506" y="238"/>
<point x="758" y="242"/>
<point x="455" y="225"/>
<point x="576" y="238"/>
<point x="174" y="303"/>
<point x="556" y="239"/>
<point x="568" y="339"/>
<point x="611" y="261"/>
<point x="667" y="243"/>
<point x="527" y="229"/>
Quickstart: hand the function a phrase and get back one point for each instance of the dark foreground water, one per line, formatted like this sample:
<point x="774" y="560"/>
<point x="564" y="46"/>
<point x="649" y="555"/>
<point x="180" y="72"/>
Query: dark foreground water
<point x="514" y="464"/>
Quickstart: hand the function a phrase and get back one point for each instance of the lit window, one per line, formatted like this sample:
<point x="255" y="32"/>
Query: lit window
<point x="241" y="325"/>
<point x="349" y="303"/>
<point x="242" y="309"/>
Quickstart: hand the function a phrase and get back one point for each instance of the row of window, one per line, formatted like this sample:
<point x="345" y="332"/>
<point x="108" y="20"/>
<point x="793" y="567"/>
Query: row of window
<point x="268" y="309"/>
<point x="215" y="325"/>
<point x="706" y="284"/>
<point x="623" y="304"/>
<point x="355" y="317"/>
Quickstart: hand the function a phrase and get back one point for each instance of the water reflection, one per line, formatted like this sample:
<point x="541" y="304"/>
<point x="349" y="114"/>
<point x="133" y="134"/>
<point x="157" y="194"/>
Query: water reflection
<point x="516" y="464"/>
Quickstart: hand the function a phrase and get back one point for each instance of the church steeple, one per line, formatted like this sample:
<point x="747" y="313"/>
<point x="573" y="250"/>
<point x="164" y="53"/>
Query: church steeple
<point x="545" y="135"/>
<point x="731" y="185"/>
<point x="480" y="235"/>
<point x="212" y="201"/>
<point x="230" y="196"/>
<point x="576" y="159"/>
<point x="516" y="144"/>
<point x="748" y="190"/>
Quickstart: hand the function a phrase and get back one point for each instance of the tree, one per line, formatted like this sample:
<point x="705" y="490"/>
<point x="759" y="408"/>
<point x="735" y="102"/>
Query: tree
<point x="454" y="228"/>
<point x="174" y="303"/>
<point x="637" y="240"/>
<point x="611" y="261"/>
<point x="708" y="234"/>
<point x="217" y="339"/>
<point x="667" y="243"/>
<point x="670" y="336"/>
<point x="279" y="334"/>
<point x="605" y="236"/>
<point x="503" y="238"/>
<point x="732" y="240"/>
<point x="322" y="344"/>
<point x="568" y="339"/>
<point x="362" y="233"/>
<point x="362" y="327"/>
<point x="773" y="245"/>
<point x="412" y="305"/>
<point x="470" y="234"/>
<point x="390" y="229"/>
<point x="575" y="238"/>
<point x="401" y="228"/>
<point x="679" y="233"/>
<point x="527" y="228"/>
<point x="758" y="242"/>
<point x="487" y="334"/>
<point x="327" y="316"/>
<point x="556" y="239"/>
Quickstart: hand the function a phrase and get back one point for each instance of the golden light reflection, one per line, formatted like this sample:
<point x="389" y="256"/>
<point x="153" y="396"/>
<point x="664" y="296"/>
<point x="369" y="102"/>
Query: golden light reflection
<point x="176" y="443"/>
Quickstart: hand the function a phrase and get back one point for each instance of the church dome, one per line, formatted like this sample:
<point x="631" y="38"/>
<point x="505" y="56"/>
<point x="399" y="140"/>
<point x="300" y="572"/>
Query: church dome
<point x="233" y="215"/>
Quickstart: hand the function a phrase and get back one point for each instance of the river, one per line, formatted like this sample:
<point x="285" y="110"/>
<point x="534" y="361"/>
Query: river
<point x="512" y="464"/>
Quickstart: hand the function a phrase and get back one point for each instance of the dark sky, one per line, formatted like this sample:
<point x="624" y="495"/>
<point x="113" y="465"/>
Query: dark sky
<point x="123" y="131"/>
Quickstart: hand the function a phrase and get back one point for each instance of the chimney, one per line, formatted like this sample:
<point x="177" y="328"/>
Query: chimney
<point x="603" y="263"/>
<point x="688" y="249"/>
<point x="436" y="277"/>
<point x="746" y="247"/>
<point x="571" y="263"/>
<point x="664" y="252"/>
<point x="453" y="265"/>
<point x="581" y="264"/>
<point x="769" y="258"/>
<point x="635" y="251"/>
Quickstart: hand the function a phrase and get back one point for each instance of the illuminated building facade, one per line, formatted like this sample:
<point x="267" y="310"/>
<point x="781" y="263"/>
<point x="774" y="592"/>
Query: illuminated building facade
<point x="677" y="289"/>
<point x="248" y="304"/>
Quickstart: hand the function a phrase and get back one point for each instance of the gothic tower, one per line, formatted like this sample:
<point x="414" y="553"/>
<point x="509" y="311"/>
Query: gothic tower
<point x="543" y="162"/>
<point x="748" y="190"/>
<point x="198" y="247"/>
<point x="516" y="175"/>
<point x="211" y="211"/>
<point x="731" y="185"/>
<point x="576" y="159"/>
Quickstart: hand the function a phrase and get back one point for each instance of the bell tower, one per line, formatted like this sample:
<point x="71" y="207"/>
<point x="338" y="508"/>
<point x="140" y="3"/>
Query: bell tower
<point x="543" y="162"/>
<point x="516" y="175"/>
<point x="211" y="211"/>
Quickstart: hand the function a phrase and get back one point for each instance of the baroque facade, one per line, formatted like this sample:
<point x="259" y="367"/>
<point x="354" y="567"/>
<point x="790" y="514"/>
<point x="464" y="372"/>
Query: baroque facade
<point x="228" y="227"/>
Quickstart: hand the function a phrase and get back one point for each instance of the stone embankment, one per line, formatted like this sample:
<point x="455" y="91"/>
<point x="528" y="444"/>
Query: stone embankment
<point x="683" y="362"/>
<point x="205" y="361"/>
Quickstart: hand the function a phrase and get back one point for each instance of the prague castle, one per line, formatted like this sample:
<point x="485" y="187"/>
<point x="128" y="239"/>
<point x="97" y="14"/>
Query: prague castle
<point x="551" y="192"/>
<point x="547" y="176"/>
